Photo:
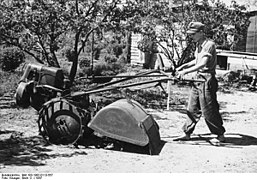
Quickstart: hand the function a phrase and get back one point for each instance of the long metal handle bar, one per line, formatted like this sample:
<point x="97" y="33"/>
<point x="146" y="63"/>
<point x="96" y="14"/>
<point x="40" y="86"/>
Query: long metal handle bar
<point x="125" y="79"/>
<point x="130" y="85"/>
<point x="120" y="76"/>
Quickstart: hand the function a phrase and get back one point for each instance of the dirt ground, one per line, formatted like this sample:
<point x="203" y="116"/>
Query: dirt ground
<point x="22" y="150"/>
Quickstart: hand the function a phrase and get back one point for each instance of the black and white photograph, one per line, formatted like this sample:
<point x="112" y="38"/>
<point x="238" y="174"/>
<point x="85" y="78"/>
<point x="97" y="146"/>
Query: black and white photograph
<point x="155" y="88"/>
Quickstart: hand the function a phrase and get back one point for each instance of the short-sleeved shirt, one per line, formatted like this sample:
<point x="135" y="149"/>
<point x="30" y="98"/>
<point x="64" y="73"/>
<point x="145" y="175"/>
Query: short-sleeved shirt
<point x="207" y="49"/>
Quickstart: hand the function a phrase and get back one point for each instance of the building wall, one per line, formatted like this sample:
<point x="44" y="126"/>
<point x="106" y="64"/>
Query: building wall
<point x="251" y="45"/>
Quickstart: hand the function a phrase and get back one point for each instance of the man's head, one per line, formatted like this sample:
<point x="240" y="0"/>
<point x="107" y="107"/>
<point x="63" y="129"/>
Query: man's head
<point x="195" y="30"/>
<point x="195" y="27"/>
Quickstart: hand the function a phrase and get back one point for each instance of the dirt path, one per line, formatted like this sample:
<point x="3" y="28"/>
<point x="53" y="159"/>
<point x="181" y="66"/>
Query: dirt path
<point x="23" y="150"/>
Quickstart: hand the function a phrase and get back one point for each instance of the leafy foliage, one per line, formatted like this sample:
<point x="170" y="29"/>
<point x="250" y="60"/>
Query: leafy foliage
<point x="166" y="26"/>
<point x="40" y="27"/>
<point x="220" y="21"/>
<point x="11" y="58"/>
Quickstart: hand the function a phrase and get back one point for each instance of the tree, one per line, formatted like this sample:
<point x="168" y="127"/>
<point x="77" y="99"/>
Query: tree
<point x="40" y="27"/>
<point x="173" y="22"/>
<point x="218" y="17"/>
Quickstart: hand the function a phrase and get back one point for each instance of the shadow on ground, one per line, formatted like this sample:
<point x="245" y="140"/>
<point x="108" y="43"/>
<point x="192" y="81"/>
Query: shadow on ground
<point x="97" y="142"/>
<point x="27" y="151"/>
<point x="18" y="150"/>
<point x="232" y="140"/>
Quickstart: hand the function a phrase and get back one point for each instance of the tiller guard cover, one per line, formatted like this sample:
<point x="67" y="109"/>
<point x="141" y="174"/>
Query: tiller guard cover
<point x="127" y="121"/>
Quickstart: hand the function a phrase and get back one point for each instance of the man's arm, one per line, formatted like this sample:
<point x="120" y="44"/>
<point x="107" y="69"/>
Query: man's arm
<point x="194" y="68"/>
<point x="186" y="65"/>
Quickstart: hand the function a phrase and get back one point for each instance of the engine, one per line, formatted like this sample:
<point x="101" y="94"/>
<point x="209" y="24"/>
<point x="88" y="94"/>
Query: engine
<point x="61" y="120"/>
<point x="38" y="85"/>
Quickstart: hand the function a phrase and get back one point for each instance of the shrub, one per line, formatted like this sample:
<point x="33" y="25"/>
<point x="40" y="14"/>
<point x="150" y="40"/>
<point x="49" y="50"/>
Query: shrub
<point x="147" y="45"/>
<point x="109" y="58"/>
<point x="69" y="54"/>
<point x="84" y="62"/>
<point x="11" y="58"/>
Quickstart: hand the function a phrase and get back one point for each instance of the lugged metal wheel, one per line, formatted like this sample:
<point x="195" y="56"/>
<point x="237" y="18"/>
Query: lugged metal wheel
<point x="60" y="122"/>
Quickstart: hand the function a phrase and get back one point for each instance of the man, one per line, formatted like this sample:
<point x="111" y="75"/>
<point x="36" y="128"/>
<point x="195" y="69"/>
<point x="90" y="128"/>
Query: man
<point x="203" y="99"/>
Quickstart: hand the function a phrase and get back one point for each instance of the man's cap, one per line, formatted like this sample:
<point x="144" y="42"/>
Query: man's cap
<point x="194" y="27"/>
